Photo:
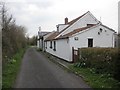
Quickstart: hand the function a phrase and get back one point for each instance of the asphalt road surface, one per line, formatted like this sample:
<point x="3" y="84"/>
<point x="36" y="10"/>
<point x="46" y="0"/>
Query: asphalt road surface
<point x="37" y="71"/>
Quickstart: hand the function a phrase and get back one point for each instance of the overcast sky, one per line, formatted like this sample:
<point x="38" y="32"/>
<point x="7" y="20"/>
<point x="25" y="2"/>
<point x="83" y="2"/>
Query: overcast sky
<point x="49" y="13"/>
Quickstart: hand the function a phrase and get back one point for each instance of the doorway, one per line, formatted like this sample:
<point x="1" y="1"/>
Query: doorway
<point x="90" y="42"/>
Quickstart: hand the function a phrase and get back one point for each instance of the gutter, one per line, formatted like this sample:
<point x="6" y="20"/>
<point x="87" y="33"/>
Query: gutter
<point x="57" y="39"/>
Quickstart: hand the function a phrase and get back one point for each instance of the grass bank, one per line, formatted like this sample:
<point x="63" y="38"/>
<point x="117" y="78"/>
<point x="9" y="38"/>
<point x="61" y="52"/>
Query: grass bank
<point x="96" y="80"/>
<point x="11" y="69"/>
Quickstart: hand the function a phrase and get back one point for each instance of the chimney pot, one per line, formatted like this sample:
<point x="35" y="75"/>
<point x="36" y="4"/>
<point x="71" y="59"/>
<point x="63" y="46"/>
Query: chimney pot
<point x="66" y="20"/>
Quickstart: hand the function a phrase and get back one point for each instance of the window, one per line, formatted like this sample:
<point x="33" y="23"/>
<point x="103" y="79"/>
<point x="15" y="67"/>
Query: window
<point x="115" y="44"/>
<point x="54" y="46"/>
<point x="101" y="29"/>
<point x="90" y="42"/>
<point x="46" y="45"/>
<point x="98" y="33"/>
<point x="50" y="44"/>
<point x="76" y="38"/>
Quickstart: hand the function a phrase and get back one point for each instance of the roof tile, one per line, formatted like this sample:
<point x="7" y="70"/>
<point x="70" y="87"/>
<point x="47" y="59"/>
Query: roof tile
<point x="52" y="36"/>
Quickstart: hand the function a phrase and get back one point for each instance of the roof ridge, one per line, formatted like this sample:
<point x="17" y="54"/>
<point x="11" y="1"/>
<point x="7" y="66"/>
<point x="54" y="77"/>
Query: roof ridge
<point x="107" y="27"/>
<point x="77" y="18"/>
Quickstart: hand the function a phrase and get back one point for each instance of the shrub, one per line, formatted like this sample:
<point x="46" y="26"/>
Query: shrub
<point x="103" y="60"/>
<point x="117" y="66"/>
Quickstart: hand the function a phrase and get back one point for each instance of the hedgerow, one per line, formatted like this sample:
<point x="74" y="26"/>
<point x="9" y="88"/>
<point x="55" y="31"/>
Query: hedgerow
<point x="101" y="60"/>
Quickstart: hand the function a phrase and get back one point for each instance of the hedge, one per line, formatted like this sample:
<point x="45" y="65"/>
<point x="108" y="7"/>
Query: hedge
<point x="101" y="60"/>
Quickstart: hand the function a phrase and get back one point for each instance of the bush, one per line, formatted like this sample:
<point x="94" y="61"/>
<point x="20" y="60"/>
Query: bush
<point x="103" y="60"/>
<point x="117" y="67"/>
<point x="13" y="35"/>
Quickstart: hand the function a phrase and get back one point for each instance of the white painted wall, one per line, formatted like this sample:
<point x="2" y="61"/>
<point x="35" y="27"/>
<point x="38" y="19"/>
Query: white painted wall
<point x="61" y="27"/>
<point x="82" y="22"/>
<point x="40" y="42"/>
<point x="62" y="49"/>
<point x="105" y="39"/>
<point x="37" y="43"/>
<point x="64" y="46"/>
<point x="44" y="37"/>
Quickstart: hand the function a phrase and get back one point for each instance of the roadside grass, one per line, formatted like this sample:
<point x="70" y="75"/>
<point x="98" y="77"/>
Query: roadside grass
<point x="95" y="80"/>
<point x="11" y="69"/>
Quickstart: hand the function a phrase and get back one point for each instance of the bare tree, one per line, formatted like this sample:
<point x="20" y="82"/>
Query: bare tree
<point x="13" y="36"/>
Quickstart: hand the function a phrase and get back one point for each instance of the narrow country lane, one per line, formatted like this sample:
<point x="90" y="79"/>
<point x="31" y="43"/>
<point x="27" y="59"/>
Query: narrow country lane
<point x="39" y="72"/>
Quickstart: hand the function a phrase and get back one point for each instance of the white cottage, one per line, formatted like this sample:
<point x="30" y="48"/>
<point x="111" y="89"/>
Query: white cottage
<point x="84" y="31"/>
<point x="41" y="37"/>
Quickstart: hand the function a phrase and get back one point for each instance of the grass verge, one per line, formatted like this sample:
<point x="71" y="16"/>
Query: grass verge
<point x="95" y="80"/>
<point x="11" y="69"/>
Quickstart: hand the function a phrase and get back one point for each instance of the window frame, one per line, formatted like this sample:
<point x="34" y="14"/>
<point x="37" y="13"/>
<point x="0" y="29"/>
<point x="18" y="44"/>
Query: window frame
<point x="54" y="47"/>
<point x="51" y="44"/>
<point x="90" y="42"/>
<point x="46" y="45"/>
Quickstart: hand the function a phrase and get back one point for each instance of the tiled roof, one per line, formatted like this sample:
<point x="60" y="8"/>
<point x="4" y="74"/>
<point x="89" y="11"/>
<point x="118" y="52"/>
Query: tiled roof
<point x="73" y="21"/>
<point x="52" y="36"/>
<point x="76" y="31"/>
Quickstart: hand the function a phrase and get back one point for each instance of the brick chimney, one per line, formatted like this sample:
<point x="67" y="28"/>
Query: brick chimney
<point x="66" y="20"/>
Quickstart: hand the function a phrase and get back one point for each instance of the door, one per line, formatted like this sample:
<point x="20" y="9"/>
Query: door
<point x="75" y="55"/>
<point x="90" y="42"/>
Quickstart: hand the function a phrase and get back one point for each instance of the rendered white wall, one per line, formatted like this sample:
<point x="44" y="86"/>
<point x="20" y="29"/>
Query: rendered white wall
<point x="64" y="46"/>
<point x="37" y="43"/>
<point x="61" y="27"/>
<point x="62" y="49"/>
<point x="105" y="39"/>
<point x="44" y="37"/>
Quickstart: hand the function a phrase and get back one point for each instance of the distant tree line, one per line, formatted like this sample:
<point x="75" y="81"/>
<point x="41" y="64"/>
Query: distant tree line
<point x="13" y="35"/>
<point x="33" y="41"/>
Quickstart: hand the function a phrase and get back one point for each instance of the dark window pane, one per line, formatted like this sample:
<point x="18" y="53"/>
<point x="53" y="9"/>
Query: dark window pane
<point x="90" y="42"/>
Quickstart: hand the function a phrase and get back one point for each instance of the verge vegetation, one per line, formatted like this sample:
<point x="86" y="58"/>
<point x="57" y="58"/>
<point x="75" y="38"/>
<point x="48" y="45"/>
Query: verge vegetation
<point x="11" y="69"/>
<point x="100" y="67"/>
<point x="14" y="42"/>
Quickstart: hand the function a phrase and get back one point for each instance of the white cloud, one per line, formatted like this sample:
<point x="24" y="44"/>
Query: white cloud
<point x="49" y="13"/>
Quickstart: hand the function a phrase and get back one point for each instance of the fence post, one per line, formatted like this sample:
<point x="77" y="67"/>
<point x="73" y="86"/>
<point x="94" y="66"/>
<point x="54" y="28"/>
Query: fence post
<point x="72" y="54"/>
<point x="78" y="53"/>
